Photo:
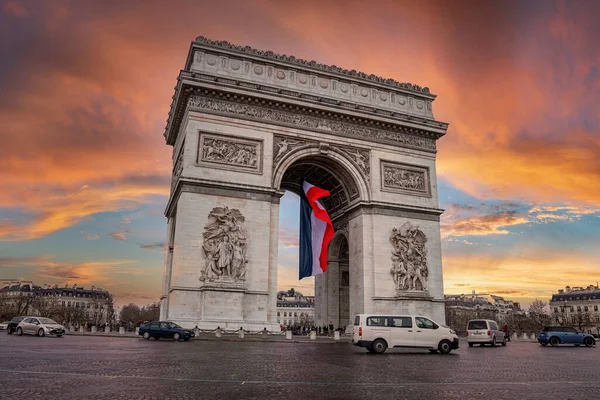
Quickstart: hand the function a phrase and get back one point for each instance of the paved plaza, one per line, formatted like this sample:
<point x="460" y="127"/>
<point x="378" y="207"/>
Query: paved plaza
<point x="126" y="368"/>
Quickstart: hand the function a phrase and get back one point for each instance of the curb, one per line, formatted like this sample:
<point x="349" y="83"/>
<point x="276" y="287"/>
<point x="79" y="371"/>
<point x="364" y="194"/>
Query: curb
<point x="215" y="339"/>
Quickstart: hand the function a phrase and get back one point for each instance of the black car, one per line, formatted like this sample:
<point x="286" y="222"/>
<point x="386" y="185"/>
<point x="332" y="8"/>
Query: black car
<point x="165" y="330"/>
<point x="12" y="325"/>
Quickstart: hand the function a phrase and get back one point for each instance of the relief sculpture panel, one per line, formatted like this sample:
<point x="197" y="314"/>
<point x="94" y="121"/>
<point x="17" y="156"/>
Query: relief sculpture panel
<point x="409" y="258"/>
<point x="228" y="152"/>
<point x="405" y="178"/>
<point x="224" y="246"/>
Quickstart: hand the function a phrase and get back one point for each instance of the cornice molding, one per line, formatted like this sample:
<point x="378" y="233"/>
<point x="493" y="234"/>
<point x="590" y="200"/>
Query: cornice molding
<point x="314" y="65"/>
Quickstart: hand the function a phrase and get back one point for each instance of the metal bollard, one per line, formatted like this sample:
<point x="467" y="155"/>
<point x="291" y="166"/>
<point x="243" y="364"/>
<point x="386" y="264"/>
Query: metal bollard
<point x="81" y="329"/>
<point x="241" y="334"/>
<point x="336" y="335"/>
<point x="137" y="330"/>
<point x="313" y="335"/>
<point x="107" y="329"/>
<point x="218" y="332"/>
<point x="288" y="334"/>
<point x="121" y="330"/>
<point x="264" y="333"/>
<point x="94" y="329"/>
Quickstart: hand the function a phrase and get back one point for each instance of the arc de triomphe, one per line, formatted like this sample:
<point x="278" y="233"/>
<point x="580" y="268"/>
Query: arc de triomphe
<point x="246" y="125"/>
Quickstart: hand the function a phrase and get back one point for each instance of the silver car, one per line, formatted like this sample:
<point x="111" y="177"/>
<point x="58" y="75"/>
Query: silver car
<point x="40" y="326"/>
<point x="484" y="331"/>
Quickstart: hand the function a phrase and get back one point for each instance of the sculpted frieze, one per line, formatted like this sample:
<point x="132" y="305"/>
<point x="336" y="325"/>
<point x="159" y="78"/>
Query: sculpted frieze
<point x="308" y="122"/>
<point x="409" y="258"/>
<point x="360" y="157"/>
<point x="224" y="246"/>
<point x="240" y="153"/>
<point x="410" y="179"/>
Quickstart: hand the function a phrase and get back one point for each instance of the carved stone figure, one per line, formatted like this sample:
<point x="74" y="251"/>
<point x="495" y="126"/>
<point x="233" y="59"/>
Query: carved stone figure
<point x="284" y="146"/>
<point x="405" y="179"/>
<point x="409" y="258"/>
<point x="230" y="152"/>
<point x="224" y="246"/>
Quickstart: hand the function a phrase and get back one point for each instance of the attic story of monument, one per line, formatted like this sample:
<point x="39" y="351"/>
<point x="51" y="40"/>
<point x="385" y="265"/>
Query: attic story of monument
<point x="245" y="126"/>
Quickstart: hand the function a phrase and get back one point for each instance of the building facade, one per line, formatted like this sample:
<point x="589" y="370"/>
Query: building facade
<point x="578" y="307"/>
<point x="295" y="310"/>
<point x="70" y="304"/>
<point x="476" y="305"/>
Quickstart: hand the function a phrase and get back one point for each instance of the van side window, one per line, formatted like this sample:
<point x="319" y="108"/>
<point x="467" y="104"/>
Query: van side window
<point x="493" y="326"/>
<point x="424" y="323"/>
<point x="401" y="322"/>
<point x="356" y="321"/>
<point x="377" y="321"/>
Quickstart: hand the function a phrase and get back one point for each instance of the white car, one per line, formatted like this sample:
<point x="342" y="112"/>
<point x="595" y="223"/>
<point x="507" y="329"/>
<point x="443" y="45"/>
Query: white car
<point x="378" y="332"/>
<point x="3" y="326"/>
<point x="484" y="331"/>
<point x="40" y="326"/>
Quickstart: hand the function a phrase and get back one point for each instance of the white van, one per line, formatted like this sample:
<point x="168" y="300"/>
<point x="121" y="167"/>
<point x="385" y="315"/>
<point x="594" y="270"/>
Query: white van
<point x="484" y="331"/>
<point x="378" y="332"/>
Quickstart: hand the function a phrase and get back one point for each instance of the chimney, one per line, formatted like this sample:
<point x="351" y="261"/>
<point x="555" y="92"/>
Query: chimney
<point x="93" y="288"/>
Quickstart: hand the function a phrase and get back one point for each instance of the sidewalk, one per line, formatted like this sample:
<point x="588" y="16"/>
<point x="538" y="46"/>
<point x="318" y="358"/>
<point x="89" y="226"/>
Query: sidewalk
<point x="226" y="337"/>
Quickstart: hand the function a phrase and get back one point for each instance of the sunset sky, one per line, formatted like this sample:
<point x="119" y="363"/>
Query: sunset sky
<point x="85" y="88"/>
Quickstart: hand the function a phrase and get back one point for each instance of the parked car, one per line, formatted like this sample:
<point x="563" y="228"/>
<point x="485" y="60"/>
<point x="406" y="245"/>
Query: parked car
<point x="12" y="325"/>
<point x="378" y="332"/>
<point x="557" y="335"/>
<point x="40" y="326"/>
<point x="485" y="331"/>
<point x="165" y="330"/>
<point x="4" y="325"/>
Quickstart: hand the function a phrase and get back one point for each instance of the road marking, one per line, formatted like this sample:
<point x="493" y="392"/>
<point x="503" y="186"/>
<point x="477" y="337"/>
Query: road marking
<point x="229" y="381"/>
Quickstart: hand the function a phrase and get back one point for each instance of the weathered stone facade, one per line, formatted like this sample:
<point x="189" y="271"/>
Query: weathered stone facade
<point x="246" y="125"/>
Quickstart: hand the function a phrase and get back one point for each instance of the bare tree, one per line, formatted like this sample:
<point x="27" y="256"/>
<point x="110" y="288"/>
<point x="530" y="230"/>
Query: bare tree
<point x="582" y="319"/>
<point x="130" y="314"/>
<point x="45" y="306"/>
<point x="537" y="314"/>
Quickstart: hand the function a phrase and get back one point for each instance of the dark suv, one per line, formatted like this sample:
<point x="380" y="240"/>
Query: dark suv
<point x="556" y="335"/>
<point x="12" y="325"/>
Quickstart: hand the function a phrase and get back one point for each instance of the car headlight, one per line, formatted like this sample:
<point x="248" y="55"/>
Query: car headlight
<point x="452" y="332"/>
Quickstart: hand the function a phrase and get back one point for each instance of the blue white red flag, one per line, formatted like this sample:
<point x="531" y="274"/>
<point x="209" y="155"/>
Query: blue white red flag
<point x="316" y="231"/>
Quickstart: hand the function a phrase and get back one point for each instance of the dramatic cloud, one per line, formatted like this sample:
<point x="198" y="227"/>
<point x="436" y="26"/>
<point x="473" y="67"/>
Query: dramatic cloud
<point x="153" y="246"/>
<point x="89" y="236"/>
<point x="118" y="235"/>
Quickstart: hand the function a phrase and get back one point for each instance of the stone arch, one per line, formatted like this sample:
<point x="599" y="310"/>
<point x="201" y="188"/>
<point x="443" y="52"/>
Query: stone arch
<point x="340" y="238"/>
<point x="343" y="168"/>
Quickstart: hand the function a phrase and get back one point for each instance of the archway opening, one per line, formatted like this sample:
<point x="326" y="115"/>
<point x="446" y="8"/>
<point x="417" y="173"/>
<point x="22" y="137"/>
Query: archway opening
<point x="328" y="294"/>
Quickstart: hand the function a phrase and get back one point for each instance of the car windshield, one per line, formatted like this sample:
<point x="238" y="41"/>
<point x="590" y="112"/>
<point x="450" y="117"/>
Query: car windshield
<point x="174" y="325"/>
<point x="47" y="321"/>
<point x="474" y="325"/>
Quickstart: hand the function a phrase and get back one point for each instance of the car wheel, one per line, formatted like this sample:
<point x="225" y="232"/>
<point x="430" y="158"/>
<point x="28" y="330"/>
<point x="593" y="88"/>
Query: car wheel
<point x="445" y="347"/>
<point x="588" y="341"/>
<point x="19" y="332"/>
<point x="146" y="335"/>
<point x="370" y="349"/>
<point x="554" y="341"/>
<point x="379" y="346"/>
<point x="41" y="333"/>
<point x="494" y="341"/>
<point x="176" y="336"/>
<point x="470" y="344"/>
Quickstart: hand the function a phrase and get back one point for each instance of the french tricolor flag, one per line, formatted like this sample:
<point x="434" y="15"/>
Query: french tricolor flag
<point x="316" y="231"/>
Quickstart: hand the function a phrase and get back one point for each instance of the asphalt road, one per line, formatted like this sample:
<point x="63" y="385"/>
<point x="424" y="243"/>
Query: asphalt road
<point x="76" y="367"/>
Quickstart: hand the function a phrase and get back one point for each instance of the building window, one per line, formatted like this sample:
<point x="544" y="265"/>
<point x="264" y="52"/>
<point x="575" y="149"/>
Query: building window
<point x="595" y="308"/>
<point x="63" y="303"/>
<point x="555" y="309"/>
<point x="572" y="309"/>
<point x="69" y="304"/>
<point x="585" y="308"/>
<point x="578" y="308"/>
<point x="597" y="318"/>
<point x="278" y="313"/>
<point x="285" y="314"/>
